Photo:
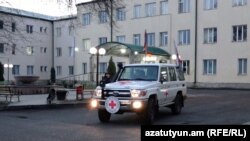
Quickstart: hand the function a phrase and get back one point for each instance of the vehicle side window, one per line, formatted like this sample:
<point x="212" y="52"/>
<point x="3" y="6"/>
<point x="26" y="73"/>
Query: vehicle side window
<point x="180" y="75"/>
<point x="164" y="74"/>
<point x="172" y="74"/>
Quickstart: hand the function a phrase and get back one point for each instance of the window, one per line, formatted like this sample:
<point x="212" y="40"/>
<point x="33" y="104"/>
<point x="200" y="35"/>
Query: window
<point x="163" y="38"/>
<point x="43" y="49"/>
<point x="103" y="67"/>
<point x="30" y="50"/>
<point x="137" y="39"/>
<point x="29" y="28"/>
<point x="103" y="40"/>
<point x="172" y="74"/>
<point x="210" y="4"/>
<point x="242" y="67"/>
<point x="58" y="51"/>
<point x="86" y="44"/>
<point x="184" y="37"/>
<point x="86" y="18"/>
<point x="1" y="24"/>
<point x="150" y="9"/>
<point x="13" y="27"/>
<point x="45" y="29"/>
<point x="1" y="47"/>
<point x="41" y="68"/>
<point x="13" y="49"/>
<point x="16" y="70"/>
<point x="164" y="74"/>
<point x="30" y="70"/>
<point x="137" y="11"/>
<point x="239" y="33"/>
<point x="184" y="6"/>
<point x="41" y="29"/>
<point x="58" y="32"/>
<point x="120" y="14"/>
<point x="71" y="30"/>
<point x="164" y="7"/>
<point x="120" y="39"/>
<point x="84" y="68"/>
<point x="71" y="70"/>
<point x="58" y="70"/>
<point x="151" y="39"/>
<point x="239" y="2"/>
<point x="186" y="66"/>
<point x="209" y="67"/>
<point x="103" y="17"/>
<point x="210" y="35"/>
<point x="71" y="51"/>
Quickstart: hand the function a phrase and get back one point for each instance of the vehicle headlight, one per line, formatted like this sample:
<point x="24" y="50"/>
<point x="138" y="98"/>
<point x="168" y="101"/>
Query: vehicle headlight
<point x="98" y="91"/>
<point x="138" y="93"/>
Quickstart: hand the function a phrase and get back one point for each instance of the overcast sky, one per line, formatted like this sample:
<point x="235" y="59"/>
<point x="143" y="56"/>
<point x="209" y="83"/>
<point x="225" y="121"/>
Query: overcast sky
<point x="47" y="7"/>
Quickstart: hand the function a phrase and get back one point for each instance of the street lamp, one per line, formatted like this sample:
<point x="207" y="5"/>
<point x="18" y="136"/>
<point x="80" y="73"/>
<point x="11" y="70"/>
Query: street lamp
<point x="98" y="51"/>
<point x="8" y="66"/>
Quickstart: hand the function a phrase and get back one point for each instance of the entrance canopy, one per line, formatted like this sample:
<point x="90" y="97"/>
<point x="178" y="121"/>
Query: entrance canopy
<point x="123" y="49"/>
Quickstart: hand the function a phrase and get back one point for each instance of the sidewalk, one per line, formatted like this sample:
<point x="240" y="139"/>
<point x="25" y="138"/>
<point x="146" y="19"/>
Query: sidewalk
<point x="36" y="101"/>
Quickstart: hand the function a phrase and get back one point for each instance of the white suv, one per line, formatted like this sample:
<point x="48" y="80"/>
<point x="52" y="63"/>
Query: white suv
<point x="141" y="88"/>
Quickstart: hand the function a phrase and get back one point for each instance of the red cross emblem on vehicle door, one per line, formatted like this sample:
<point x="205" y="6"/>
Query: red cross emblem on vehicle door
<point x="166" y="93"/>
<point x="112" y="104"/>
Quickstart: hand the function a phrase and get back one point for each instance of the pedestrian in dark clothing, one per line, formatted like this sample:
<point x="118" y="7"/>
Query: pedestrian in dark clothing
<point x="106" y="79"/>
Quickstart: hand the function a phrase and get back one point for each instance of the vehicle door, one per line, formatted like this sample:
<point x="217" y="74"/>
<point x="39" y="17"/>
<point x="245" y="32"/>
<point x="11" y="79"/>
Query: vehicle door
<point x="164" y="79"/>
<point x="173" y="84"/>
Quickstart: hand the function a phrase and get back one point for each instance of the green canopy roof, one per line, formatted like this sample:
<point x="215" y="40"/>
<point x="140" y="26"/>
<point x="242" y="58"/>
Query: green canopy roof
<point x="114" y="48"/>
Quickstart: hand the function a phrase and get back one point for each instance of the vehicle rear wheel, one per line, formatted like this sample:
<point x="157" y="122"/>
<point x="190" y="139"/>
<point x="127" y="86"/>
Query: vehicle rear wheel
<point x="103" y="115"/>
<point x="177" y="106"/>
<point x="148" y="115"/>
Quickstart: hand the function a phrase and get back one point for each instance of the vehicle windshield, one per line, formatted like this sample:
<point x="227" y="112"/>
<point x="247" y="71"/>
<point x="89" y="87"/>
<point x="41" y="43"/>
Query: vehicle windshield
<point x="144" y="73"/>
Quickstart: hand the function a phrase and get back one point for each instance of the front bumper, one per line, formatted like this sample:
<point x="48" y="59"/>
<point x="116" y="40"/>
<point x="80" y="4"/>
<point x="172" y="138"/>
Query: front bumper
<point x="126" y="105"/>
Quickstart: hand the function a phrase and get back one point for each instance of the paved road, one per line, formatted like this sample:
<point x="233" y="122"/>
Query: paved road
<point x="211" y="107"/>
<point x="80" y="123"/>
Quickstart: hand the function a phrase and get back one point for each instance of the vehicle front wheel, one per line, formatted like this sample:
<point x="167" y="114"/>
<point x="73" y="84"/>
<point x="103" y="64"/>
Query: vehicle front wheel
<point x="148" y="115"/>
<point x="103" y="115"/>
<point x="177" y="106"/>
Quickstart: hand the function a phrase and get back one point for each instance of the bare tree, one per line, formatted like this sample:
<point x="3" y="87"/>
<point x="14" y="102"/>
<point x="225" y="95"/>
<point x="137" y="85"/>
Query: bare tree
<point x="108" y="6"/>
<point x="13" y="28"/>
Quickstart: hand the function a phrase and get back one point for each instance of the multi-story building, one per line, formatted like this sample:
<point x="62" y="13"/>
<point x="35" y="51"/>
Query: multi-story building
<point x="34" y="43"/>
<point x="25" y="42"/>
<point x="213" y="45"/>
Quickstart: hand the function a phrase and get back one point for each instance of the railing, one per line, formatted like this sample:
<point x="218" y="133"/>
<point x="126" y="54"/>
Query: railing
<point x="87" y="79"/>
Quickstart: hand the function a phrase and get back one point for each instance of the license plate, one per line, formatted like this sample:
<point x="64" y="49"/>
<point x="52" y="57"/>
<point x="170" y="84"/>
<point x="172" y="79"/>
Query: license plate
<point x="125" y="102"/>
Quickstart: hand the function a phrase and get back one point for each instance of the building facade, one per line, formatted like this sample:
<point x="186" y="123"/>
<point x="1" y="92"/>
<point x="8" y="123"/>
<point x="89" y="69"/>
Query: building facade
<point x="212" y="45"/>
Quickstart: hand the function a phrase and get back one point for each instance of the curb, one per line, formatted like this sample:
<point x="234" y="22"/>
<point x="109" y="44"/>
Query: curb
<point x="47" y="106"/>
<point x="221" y="88"/>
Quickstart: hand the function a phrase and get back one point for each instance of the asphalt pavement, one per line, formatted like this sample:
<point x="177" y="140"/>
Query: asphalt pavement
<point x="33" y="101"/>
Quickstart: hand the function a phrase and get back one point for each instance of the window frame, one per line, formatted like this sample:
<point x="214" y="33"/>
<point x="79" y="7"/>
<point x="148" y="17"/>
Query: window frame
<point x="210" y="35"/>
<point x="207" y="63"/>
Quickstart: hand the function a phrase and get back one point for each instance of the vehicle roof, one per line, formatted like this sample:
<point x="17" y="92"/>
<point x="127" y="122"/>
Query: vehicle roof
<point x="151" y="64"/>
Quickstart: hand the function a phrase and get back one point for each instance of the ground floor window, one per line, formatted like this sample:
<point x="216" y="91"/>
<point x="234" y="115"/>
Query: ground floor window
<point x="186" y="66"/>
<point x="242" y="66"/>
<point x="16" y="70"/>
<point x="209" y="67"/>
<point x="71" y="70"/>
<point x="103" y="67"/>
<point x="30" y="70"/>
